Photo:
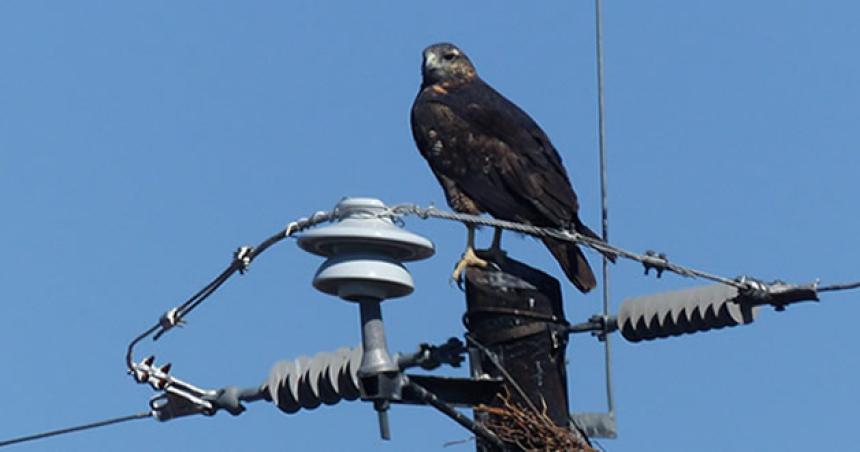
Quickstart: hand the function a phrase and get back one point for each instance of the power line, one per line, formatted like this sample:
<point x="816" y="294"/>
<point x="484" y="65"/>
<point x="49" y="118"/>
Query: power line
<point x="834" y="287"/>
<point x="650" y="259"/>
<point x="78" y="428"/>
<point x="242" y="258"/>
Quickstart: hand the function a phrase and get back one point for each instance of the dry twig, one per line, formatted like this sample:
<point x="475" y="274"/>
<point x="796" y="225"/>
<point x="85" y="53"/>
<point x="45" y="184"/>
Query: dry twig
<point x="531" y="431"/>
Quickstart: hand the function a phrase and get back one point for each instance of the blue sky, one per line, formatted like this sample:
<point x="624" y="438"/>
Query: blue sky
<point x="142" y="142"/>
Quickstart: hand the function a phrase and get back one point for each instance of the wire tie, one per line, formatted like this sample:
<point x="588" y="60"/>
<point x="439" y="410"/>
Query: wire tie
<point x="243" y="257"/>
<point x="167" y="321"/>
<point x="292" y="228"/>
<point x="657" y="261"/>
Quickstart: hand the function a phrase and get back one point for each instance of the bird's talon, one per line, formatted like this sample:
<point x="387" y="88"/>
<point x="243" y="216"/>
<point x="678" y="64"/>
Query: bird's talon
<point x="454" y="280"/>
<point x="469" y="259"/>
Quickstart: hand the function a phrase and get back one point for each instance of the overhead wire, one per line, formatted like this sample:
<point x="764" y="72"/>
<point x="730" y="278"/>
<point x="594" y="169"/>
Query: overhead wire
<point x="649" y="259"/>
<point x="78" y="428"/>
<point x="835" y="287"/>
<point x="242" y="259"/>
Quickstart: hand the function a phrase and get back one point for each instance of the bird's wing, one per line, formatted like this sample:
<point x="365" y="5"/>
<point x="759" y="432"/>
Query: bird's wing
<point x="524" y="163"/>
<point x="485" y="108"/>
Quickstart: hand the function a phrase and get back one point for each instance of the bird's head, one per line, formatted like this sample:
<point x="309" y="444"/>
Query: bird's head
<point x="446" y="64"/>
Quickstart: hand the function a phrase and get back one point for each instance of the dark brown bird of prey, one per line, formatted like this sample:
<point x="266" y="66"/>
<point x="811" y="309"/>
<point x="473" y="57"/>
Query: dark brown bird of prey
<point x="490" y="156"/>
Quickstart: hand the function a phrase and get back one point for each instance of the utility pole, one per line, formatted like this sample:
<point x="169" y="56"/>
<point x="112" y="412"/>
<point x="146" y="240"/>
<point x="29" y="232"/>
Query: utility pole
<point x="517" y="331"/>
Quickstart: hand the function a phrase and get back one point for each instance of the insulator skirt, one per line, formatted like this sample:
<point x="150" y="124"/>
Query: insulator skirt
<point x="326" y="378"/>
<point x="682" y="312"/>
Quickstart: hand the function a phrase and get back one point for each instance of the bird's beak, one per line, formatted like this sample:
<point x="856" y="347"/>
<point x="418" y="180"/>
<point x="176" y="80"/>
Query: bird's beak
<point x="431" y="61"/>
<point x="430" y="67"/>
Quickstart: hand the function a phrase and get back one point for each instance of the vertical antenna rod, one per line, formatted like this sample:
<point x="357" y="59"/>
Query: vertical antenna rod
<point x="604" y="209"/>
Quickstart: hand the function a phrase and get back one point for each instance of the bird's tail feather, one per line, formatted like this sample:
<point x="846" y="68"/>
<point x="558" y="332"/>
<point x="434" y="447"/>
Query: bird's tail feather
<point x="574" y="264"/>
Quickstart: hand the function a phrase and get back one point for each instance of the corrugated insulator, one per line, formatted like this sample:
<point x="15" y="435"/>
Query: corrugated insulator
<point x="682" y="312"/>
<point x="326" y="378"/>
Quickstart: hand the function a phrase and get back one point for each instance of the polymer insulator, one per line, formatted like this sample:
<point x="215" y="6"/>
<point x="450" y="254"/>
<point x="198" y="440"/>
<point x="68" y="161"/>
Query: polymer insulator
<point x="326" y="378"/>
<point x="682" y="312"/>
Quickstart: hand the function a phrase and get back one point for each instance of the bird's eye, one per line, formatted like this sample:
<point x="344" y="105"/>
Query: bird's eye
<point x="449" y="56"/>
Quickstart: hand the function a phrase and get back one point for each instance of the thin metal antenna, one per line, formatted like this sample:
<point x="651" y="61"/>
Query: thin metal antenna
<point x="604" y="208"/>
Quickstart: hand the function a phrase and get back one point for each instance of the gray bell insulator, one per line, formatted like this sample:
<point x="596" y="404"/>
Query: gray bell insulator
<point x="365" y="251"/>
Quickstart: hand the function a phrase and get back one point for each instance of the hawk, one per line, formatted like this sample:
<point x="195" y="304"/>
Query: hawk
<point x="490" y="156"/>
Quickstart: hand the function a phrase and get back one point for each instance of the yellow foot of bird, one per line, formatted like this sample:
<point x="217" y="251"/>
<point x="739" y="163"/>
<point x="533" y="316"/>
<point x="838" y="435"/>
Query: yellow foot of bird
<point x="469" y="259"/>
